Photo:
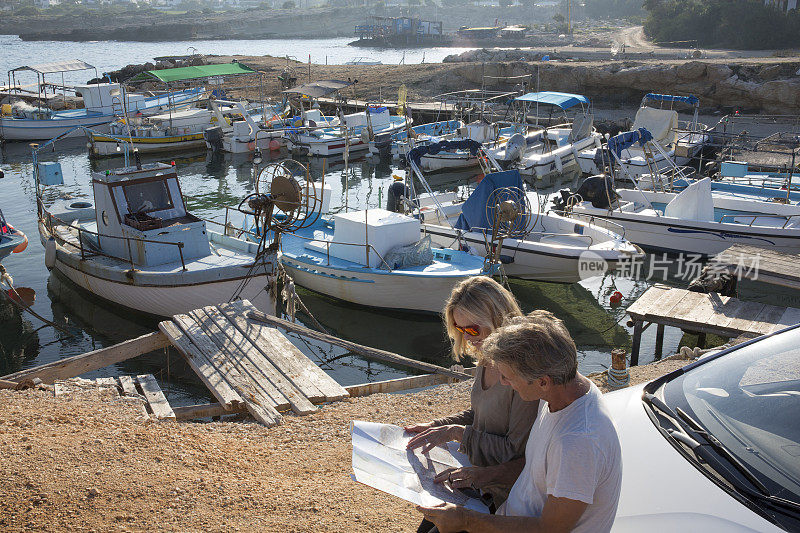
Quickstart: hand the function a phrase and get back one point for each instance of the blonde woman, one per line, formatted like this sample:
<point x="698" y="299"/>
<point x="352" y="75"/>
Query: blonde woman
<point x="495" y="428"/>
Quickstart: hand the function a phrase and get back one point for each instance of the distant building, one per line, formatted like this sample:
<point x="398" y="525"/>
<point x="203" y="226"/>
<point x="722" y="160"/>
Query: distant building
<point x="783" y="5"/>
<point x="46" y="3"/>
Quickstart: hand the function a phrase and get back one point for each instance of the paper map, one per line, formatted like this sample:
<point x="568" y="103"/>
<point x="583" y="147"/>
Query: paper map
<point x="380" y="460"/>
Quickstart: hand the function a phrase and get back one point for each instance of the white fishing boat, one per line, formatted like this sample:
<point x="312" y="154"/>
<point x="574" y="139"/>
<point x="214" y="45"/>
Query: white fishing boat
<point x="376" y="258"/>
<point x="354" y="132"/>
<point x="102" y="102"/>
<point x="137" y="245"/>
<point x="695" y="220"/>
<point x="399" y="143"/>
<point x="544" y="247"/>
<point x="680" y="140"/>
<point x="547" y="153"/>
<point x="370" y="257"/>
<point x="259" y="128"/>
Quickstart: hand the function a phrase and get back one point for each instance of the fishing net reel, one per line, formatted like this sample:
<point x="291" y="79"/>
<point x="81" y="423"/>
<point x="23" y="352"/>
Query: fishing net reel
<point x="509" y="210"/>
<point x="285" y="199"/>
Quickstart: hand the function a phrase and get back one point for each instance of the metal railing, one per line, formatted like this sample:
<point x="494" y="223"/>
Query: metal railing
<point x="591" y="221"/>
<point x="367" y="247"/>
<point x="47" y="218"/>
<point x="733" y="217"/>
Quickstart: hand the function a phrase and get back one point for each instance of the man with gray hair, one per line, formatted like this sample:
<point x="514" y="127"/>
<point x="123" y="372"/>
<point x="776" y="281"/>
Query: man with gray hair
<point x="571" y="476"/>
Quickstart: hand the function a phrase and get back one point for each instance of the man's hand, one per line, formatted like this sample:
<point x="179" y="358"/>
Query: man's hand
<point x="472" y="477"/>
<point x="432" y="437"/>
<point x="447" y="517"/>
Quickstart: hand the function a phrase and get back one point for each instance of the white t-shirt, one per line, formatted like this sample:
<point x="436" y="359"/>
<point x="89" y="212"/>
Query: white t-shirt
<point x="573" y="453"/>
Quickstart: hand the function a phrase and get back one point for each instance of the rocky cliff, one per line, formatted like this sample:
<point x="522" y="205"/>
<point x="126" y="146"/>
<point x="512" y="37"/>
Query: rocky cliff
<point x="767" y="86"/>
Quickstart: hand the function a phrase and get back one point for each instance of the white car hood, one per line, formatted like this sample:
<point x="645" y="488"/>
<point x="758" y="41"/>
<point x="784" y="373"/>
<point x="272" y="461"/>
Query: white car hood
<point x="661" y="490"/>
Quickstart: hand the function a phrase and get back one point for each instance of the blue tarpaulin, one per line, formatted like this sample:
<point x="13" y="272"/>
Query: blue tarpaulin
<point x="474" y="213"/>
<point x="625" y="140"/>
<point x="562" y="100"/>
<point x="691" y="99"/>
<point x="466" y="144"/>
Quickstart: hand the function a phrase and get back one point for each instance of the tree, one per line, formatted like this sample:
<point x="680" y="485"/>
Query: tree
<point x="289" y="4"/>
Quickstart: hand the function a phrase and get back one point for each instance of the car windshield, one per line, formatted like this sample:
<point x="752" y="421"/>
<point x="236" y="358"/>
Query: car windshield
<point x="749" y="399"/>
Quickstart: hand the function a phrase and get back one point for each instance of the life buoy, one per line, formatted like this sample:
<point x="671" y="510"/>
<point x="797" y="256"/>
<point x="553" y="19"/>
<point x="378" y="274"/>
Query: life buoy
<point x="251" y="146"/>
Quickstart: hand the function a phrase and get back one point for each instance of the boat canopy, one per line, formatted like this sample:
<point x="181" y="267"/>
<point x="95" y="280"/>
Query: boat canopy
<point x="168" y="75"/>
<point x="416" y="154"/>
<point x="318" y="89"/>
<point x="58" y="66"/>
<point x="474" y="212"/>
<point x="562" y="100"/>
<point x="625" y="140"/>
<point x="691" y="99"/>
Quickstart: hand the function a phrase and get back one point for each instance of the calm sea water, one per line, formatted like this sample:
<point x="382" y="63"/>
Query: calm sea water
<point x="212" y="181"/>
<point x="112" y="55"/>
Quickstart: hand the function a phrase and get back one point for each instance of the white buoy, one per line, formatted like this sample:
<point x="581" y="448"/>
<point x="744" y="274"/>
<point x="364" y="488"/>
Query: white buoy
<point x="50" y="253"/>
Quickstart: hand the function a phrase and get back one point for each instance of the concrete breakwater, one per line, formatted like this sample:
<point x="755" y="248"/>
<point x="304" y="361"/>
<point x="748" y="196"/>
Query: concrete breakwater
<point x="769" y="86"/>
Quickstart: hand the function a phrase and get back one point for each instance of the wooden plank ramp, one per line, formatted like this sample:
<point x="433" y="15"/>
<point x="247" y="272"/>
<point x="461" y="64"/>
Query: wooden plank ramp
<point x="705" y="313"/>
<point x="762" y="264"/>
<point x="249" y="365"/>
<point x="143" y="387"/>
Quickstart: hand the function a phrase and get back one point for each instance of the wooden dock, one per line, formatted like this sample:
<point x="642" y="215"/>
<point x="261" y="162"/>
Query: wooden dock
<point x="762" y="264"/>
<point x="245" y="362"/>
<point x="704" y="313"/>
<point x="143" y="387"/>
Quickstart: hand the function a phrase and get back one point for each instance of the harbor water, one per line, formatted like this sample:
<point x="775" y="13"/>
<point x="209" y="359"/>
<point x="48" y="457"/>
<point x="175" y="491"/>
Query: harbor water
<point x="211" y="181"/>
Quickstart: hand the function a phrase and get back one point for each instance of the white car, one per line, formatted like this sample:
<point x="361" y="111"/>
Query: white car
<point x="714" y="446"/>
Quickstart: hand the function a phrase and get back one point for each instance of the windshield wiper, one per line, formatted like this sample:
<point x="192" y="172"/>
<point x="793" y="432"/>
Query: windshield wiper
<point x="723" y="451"/>
<point x="680" y="415"/>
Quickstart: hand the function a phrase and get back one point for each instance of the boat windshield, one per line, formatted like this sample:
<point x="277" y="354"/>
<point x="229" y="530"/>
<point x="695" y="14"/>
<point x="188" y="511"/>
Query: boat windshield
<point x="749" y="399"/>
<point x="147" y="196"/>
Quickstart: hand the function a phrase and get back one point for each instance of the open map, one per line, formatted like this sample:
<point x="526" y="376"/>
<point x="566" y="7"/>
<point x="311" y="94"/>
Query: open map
<point x="380" y="460"/>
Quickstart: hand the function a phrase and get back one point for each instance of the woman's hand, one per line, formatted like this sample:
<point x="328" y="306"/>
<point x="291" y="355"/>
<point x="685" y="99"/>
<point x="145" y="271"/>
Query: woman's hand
<point x="418" y="428"/>
<point x="432" y="437"/>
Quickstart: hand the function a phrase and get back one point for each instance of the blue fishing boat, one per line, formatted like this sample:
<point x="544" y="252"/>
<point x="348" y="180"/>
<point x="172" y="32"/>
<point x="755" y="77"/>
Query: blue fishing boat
<point x="12" y="240"/>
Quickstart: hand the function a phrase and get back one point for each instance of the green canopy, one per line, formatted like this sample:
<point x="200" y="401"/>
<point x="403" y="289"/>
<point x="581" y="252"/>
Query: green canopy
<point x="168" y="75"/>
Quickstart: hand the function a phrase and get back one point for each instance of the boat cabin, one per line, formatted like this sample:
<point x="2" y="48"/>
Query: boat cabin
<point x="107" y="98"/>
<point x="141" y="214"/>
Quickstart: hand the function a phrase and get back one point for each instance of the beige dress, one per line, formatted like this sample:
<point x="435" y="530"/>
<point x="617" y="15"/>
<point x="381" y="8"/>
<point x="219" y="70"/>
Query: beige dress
<point x="497" y="424"/>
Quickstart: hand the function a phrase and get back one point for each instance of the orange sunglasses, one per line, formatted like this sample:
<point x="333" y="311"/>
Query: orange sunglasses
<point x="472" y="331"/>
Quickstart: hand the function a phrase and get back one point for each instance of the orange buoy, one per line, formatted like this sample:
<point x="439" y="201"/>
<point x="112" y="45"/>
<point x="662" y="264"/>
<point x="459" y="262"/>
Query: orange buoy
<point x="274" y="145"/>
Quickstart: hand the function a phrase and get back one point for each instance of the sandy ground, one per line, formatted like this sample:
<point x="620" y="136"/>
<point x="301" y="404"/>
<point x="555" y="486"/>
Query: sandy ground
<point x="90" y="462"/>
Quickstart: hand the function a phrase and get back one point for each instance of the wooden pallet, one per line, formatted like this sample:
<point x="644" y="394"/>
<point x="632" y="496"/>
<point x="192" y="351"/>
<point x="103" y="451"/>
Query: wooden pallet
<point x="244" y="362"/>
<point x="704" y="313"/>
<point x="143" y="386"/>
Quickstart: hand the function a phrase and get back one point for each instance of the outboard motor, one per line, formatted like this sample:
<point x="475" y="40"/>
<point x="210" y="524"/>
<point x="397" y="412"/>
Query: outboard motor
<point x="396" y="191"/>
<point x="515" y="147"/>
<point x="599" y="190"/>
<point x="213" y="137"/>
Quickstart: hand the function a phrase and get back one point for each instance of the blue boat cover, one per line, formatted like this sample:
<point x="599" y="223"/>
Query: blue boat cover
<point x="465" y="144"/>
<point x="691" y="99"/>
<point x="625" y="140"/>
<point x="562" y="100"/>
<point x="473" y="212"/>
